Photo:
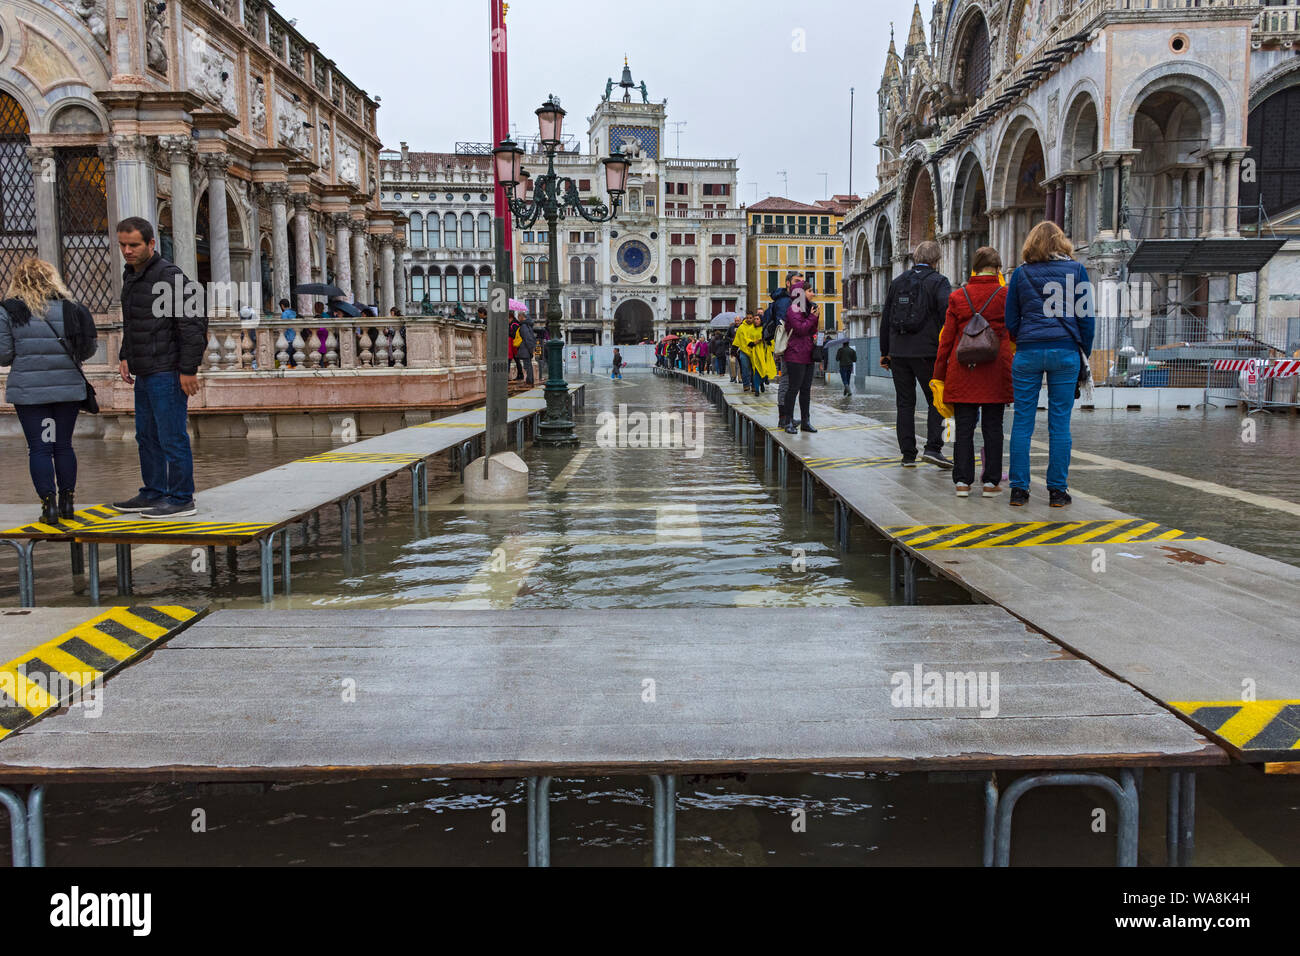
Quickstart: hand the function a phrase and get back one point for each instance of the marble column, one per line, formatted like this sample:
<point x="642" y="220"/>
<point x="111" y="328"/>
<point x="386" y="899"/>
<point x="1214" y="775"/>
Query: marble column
<point x="1215" y="187"/>
<point x="402" y="279"/>
<point x="387" y="263"/>
<point x="107" y="154"/>
<point x="322" y="245"/>
<point x="1067" y="206"/>
<point x="1178" y="218"/>
<point x="133" y="175"/>
<point x="1058" y="211"/>
<point x="180" y="151"/>
<point x="279" y="196"/>
<point x="360" y="287"/>
<point x="1233" y="184"/>
<point x="302" y="247"/>
<point x="218" y="223"/>
<point x="47" y="204"/>
<point x="343" y="253"/>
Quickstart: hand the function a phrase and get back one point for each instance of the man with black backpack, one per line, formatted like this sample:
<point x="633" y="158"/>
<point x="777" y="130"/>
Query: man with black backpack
<point x="911" y="320"/>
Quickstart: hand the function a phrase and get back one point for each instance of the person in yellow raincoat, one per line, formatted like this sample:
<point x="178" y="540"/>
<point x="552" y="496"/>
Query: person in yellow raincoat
<point x="749" y="339"/>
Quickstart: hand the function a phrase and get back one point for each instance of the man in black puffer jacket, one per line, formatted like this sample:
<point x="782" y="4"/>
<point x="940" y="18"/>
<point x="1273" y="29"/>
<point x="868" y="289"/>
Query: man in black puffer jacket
<point x="164" y="333"/>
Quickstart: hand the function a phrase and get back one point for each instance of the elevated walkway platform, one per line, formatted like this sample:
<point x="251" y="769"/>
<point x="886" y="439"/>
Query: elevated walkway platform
<point x="1206" y="629"/>
<point x="262" y="508"/>
<point x="257" y="696"/>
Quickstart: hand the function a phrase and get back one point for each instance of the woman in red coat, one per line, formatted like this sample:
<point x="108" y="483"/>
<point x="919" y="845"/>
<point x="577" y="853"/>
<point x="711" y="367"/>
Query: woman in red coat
<point x="976" y="391"/>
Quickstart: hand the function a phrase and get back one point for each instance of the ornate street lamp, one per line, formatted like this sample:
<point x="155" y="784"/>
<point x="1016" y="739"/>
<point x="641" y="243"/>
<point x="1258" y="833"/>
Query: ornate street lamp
<point x="553" y="197"/>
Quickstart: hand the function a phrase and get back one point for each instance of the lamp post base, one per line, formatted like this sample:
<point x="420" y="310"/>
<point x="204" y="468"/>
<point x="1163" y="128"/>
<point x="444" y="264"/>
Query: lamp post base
<point x="557" y="421"/>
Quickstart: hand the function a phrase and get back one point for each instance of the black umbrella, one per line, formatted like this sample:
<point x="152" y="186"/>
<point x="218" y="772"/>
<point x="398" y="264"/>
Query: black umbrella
<point x="318" y="288"/>
<point x="347" y="308"/>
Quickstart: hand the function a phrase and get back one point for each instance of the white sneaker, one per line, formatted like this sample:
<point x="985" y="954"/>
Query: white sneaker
<point x="963" y="491"/>
<point x="992" y="491"/>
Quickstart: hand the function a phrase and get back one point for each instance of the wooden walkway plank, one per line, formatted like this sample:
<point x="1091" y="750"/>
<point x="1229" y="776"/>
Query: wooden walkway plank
<point x="496" y="693"/>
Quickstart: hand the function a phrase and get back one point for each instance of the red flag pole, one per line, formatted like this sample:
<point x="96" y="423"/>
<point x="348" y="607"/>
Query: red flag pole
<point x="501" y="130"/>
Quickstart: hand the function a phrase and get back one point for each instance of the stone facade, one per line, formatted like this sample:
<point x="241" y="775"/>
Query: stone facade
<point x="1119" y="123"/>
<point x="215" y="120"/>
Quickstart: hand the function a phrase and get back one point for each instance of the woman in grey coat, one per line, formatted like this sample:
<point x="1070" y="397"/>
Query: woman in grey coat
<point x="45" y="384"/>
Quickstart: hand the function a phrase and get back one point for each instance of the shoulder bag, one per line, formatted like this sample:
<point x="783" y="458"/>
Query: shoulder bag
<point x="89" y="403"/>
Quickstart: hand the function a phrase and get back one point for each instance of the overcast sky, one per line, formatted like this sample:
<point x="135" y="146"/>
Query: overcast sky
<point x="728" y="68"/>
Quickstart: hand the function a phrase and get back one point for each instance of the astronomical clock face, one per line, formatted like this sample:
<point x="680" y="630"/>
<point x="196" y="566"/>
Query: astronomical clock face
<point x="634" y="259"/>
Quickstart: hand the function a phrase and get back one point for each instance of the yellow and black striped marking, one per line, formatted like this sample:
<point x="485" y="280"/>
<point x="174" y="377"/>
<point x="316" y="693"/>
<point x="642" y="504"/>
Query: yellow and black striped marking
<point x="82" y="519"/>
<point x="360" y="456"/>
<point x="450" y="424"/>
<point x="851" y="428"/>
<point x="148" y="528"/>
<point x="827" y="464"/>
<point x="1258" y="725"/>
<point x="1025" y="534"/>
<point x="64" y="669"/>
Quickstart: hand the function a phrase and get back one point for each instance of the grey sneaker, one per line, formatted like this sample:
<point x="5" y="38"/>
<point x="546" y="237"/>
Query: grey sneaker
<point x="936" y="458"/>
<point x="138" y="503"/>
<point x="171" y="510"/>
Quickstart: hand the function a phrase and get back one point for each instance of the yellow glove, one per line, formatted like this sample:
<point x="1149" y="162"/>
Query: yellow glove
<point x="936" y="389"/>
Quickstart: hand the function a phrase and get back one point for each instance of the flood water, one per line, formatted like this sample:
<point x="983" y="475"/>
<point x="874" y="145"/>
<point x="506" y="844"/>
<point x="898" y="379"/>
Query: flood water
<point x="637" y="528"/>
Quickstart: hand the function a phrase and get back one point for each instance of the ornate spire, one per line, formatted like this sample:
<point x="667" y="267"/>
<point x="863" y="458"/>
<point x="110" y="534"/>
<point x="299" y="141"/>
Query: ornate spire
<point x="916" y="36"/>
<point x="892" y="72"/>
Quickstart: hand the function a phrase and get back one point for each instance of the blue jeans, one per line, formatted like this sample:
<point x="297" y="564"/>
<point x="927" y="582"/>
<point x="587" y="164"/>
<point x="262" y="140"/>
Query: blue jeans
<point x="48" y="428"/>
<point x="1061" y="366"/>
<point x="166" y="463"/>
<point x="746" y="369"/>
<point x="846" y="375"/>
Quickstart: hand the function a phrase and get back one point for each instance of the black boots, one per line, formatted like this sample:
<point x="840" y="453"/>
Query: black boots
<point x="66" y="507"/>
<point x="49" y="510"/>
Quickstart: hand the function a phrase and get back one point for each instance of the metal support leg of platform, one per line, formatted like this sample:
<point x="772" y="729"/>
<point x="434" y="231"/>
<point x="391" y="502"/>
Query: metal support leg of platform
<point x="26" y="571"/>
<point x="901" y="559"/>
<point x="78" y="557"/>
<point x="539" y="821"/>
<point x="26" y="825"/>
<point x="92" y="576"/>
<point x="1124" y="791"/>
<point x="809" y="491"/>
<point x="769" y="451"/>
<point x="665" y="818"/>
<point x="266" y="547"/>
<point x="123" y="569"/>
<point x="1180" y="823"/>
<point x="345" y="526"/>
<point x="361" y="518"/>
<point x="286" y="560"/>
<point x="212" y="564"/>
<point x="519" y="435"/>
<point x="782" y="467"/>
<point x="841" y="524"/>
<point x="990" y="817"/>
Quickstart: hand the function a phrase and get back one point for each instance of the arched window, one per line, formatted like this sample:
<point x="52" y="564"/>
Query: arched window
<point x="543" y="269"/>
<point x="453" y="285"/>
<point x="675" y="272"/>
<point x="575" y="269"/>
<point x="973" y="63"/>
<point x="731" y="272"/>
<point x="690" y="272"/>
<point x="435" y="230"/>
<point x="715" y="272"/>
<point x="417" y="231"/>
<point x="530" y="269"/>
<point x="484" y="277"/>
<point x="589" y="270"/>
<point x="417" y="285"/>
<point x="467" y="284"/>
<point x="467" y="231"/>
<point x="17" y="189"/>
<point x="449" y="231"/>
<point x="484" y="232"/>
<point x="435" y="284"/>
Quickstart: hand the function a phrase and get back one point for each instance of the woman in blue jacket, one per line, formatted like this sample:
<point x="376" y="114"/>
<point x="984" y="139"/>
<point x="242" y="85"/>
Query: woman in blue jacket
<point x="1050" y="317"/>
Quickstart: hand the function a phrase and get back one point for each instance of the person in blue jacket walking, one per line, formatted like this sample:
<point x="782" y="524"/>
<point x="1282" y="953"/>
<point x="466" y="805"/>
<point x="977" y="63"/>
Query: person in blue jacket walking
<point x="1050" y="317"/>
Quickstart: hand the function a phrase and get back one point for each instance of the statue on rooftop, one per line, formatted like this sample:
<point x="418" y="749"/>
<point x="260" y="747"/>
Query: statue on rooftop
<point x="609" y="88"/>
<point x="645" y="94"/>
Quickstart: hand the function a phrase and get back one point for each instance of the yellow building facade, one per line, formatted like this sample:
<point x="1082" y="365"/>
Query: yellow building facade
<point x="784" y="236"/>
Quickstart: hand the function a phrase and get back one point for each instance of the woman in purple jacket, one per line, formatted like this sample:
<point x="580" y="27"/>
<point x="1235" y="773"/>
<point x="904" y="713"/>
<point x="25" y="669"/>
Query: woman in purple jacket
<point x="801" y="321"/>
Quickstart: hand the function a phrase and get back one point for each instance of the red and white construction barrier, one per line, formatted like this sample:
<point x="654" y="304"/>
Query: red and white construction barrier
<point x="1284" y="369"/>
